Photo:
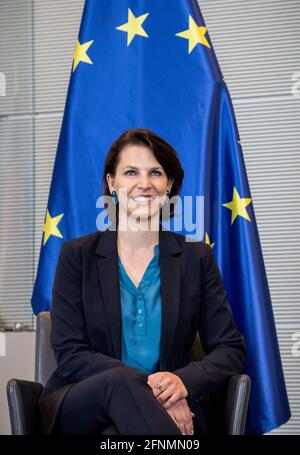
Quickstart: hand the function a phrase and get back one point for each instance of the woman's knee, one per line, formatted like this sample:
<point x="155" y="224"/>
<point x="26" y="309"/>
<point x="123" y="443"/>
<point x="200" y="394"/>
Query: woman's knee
<point x="119" y="375"/>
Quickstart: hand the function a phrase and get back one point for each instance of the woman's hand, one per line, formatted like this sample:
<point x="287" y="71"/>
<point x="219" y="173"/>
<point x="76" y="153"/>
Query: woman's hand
<point x="182" y="416"/>
<point x="167" y="388"/>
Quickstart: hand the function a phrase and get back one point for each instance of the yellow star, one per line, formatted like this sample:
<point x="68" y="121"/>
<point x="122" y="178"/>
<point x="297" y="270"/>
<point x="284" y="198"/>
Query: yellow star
<point x="50" y="226"/>
<point x="207" y="241"/>
<point x="81" y="54"/>
<point x="195" y="34"/>
<point x="133" y="26"/>
<point x="238" y="206"/>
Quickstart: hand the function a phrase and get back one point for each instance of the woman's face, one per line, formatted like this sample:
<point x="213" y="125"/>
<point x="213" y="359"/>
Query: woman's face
<point x="140" y="182"/>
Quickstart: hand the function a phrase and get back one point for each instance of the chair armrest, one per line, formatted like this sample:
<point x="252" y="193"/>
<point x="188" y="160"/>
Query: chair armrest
<point x="236" y="404"/>
<point x="23" y="397"/>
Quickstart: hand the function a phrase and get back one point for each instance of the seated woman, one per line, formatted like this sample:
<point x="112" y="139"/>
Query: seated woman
<point x="127" y="304"/>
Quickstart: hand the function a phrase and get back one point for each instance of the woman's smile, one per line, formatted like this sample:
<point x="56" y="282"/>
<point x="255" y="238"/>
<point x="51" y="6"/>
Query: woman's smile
<point x="144" y="200"/>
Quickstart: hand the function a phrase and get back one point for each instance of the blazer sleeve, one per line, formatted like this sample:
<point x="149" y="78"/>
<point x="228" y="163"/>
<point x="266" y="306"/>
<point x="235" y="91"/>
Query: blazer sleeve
<point x="75" y="359"/>
<point x="223" y="344"/>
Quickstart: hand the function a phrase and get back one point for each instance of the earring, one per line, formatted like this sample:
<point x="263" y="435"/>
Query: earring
<point x="168" y="197"/>
<point x="114" y="197"/>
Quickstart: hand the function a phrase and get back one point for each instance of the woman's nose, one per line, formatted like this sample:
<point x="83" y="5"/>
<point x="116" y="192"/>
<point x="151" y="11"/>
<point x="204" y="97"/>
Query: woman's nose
<point x="144" y="181"/>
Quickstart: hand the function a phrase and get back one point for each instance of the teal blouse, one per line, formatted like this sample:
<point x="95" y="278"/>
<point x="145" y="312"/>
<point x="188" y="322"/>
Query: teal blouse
<point x="141" y="317"/>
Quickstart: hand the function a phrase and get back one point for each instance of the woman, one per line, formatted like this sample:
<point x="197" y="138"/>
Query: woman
<point x="127" y="304"/>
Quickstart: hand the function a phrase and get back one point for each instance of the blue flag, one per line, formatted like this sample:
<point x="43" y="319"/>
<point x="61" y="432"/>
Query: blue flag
<point x="150" y="64"/>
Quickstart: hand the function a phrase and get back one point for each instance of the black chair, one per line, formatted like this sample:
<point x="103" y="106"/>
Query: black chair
<point x="225" y="409"/>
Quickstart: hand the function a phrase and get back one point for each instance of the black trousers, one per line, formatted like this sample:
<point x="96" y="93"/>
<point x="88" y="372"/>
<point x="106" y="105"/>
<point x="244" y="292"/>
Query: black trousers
<point x="119" y="395"/>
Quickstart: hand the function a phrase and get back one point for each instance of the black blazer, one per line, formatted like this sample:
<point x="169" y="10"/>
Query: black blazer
<point x="86" y="316"/>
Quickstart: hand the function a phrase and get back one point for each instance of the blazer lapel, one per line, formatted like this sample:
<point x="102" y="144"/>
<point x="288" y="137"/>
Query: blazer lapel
<point x="108" y="272"/>
<point x="170" y="293"/>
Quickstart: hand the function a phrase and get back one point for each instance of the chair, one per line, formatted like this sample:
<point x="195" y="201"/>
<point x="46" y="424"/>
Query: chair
<point x="225" y="409"/>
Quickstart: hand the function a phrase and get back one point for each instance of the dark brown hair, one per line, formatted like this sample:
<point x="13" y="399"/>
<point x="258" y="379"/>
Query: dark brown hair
<point x="163" y="152"/>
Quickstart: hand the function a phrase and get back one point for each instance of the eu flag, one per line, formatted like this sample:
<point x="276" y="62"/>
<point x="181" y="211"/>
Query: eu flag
<point x="150" y="64"/>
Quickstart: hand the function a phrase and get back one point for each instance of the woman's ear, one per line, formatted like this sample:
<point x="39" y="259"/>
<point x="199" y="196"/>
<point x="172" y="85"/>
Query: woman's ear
<point x="110" y="182"/>
<point x="170" y="184"/>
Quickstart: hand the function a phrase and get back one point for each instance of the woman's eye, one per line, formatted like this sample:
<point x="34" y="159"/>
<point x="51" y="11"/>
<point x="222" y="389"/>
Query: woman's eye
<point x="131" y="172"/>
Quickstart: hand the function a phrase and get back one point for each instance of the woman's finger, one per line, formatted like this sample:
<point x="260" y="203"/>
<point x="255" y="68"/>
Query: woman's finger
<point x="166" y="393"/>
<point x="189" y="425"/>
<point x="187" y="416"/>
<point x="172" y="415"/>
<point x="183" y="419"/>
<point x="165" y="383"/>
<point x="171" y="401"/>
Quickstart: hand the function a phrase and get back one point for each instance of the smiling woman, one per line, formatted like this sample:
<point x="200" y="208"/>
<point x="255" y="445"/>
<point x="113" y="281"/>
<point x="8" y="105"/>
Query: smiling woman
<point x="127" y="304"/>
<point x="143" y="182"/>
<point x="142" y="172"/>
<point x="145" y="171"/>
